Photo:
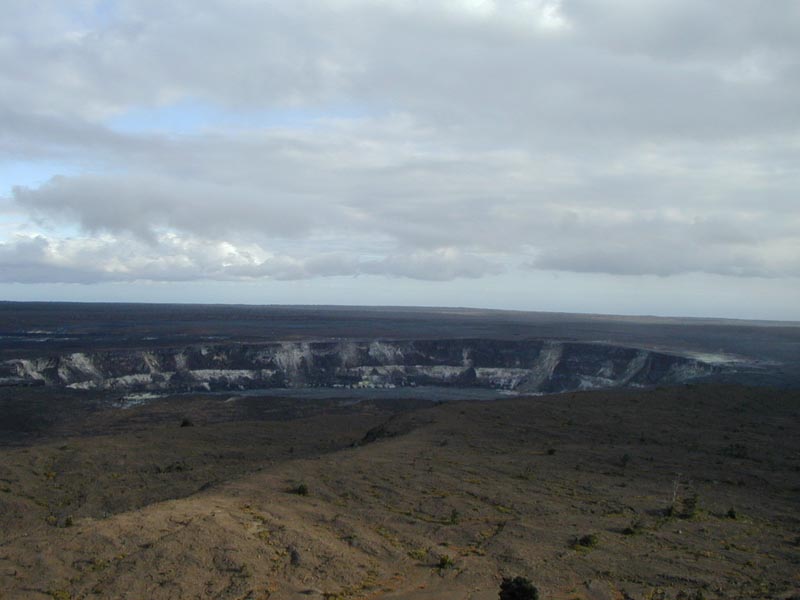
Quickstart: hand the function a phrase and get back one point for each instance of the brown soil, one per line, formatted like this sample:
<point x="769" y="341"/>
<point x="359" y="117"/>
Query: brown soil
<point x="430" y="503"/>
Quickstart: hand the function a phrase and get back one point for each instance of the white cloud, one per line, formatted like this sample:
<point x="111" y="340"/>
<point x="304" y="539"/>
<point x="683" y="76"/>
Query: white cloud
<point x="170" y="257"/>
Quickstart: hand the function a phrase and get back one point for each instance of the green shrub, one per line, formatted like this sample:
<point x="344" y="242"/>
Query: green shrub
<point x="419" y="554"/>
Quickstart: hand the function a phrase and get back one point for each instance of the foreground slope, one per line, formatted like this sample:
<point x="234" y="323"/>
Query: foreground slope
<point x="436" y="502"/>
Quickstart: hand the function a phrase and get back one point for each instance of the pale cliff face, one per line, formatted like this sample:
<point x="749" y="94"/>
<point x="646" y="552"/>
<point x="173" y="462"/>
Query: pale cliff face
<point x="532" y="366"/>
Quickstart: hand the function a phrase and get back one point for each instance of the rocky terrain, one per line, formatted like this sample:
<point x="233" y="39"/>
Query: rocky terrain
<point x="527" y="366"/>
<point x="184" y="347"/>
<point x="246" y="453"/>
<point x="679" y="492"/>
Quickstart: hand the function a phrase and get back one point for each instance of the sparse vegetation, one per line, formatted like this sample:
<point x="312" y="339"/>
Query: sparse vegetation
<point x="636" y="526"/>
<point x="684" y="507"/>
<point x="390" y="521"/>
<point x="300" y="489"/>
<point x="454" y="517"/>
<point x="696" y="595"/>
<point x="691" y="506"/>
<point x="419" y="554"/>
<point x="585" y="542"/>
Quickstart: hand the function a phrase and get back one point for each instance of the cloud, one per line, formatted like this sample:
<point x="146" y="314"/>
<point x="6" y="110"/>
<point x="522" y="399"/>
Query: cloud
<point x="449" y="139"/>
<point x="32" y="259"/>
<point x="142" y="204"/>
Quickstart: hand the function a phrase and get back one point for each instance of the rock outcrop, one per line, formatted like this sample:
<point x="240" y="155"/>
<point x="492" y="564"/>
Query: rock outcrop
<point x="526" y="366"/>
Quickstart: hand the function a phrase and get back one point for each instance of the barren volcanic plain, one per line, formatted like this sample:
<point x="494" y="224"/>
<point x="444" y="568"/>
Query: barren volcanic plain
<point x="310" y="452"/>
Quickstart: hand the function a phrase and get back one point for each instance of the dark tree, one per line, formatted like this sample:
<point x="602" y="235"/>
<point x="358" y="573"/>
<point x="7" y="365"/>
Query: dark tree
<point x="518" y="588"/>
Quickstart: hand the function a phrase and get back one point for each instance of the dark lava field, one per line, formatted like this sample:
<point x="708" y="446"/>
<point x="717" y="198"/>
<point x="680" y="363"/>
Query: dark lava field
<point x="154" y="451"/>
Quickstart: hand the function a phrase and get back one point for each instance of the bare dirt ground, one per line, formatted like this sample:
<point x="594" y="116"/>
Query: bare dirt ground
<point x="690" y="492"/>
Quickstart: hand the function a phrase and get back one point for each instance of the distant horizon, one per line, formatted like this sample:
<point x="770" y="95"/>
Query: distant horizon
<point x="412" y="307"/>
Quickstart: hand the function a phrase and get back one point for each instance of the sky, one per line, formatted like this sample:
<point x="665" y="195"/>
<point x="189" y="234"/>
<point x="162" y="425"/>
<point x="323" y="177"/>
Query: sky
<point x="596" y="156"/>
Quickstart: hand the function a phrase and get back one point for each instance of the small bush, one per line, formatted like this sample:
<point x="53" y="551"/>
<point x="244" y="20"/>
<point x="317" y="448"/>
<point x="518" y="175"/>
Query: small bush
<point x="589" y="540"/>
<point x="419" y="554"/>
<point x="445" y="562"/>
<point x="518" y="588"/>
<point x="690" y="507"/>
<point x="551" y="451"/>
<point x="683" y="506"/>
<point x="636" y="526"/>
<point x="300" y="490"/>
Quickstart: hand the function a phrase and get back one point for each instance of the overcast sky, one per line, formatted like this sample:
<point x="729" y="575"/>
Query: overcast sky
<point x="613" y="156"/>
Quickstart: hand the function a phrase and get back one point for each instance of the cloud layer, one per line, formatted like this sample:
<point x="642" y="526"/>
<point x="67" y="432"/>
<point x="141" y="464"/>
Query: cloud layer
<point x="429" y="140"/>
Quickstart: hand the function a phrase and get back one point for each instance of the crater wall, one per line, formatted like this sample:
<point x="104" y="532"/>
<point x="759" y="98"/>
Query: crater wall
<point x="525" y="366"/>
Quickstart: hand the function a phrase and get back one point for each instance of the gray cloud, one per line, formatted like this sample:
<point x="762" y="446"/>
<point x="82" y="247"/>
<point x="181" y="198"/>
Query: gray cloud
<point x="453" y="140"/>
<point x="616" y="67"/>
<point x="175" y="258"/>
